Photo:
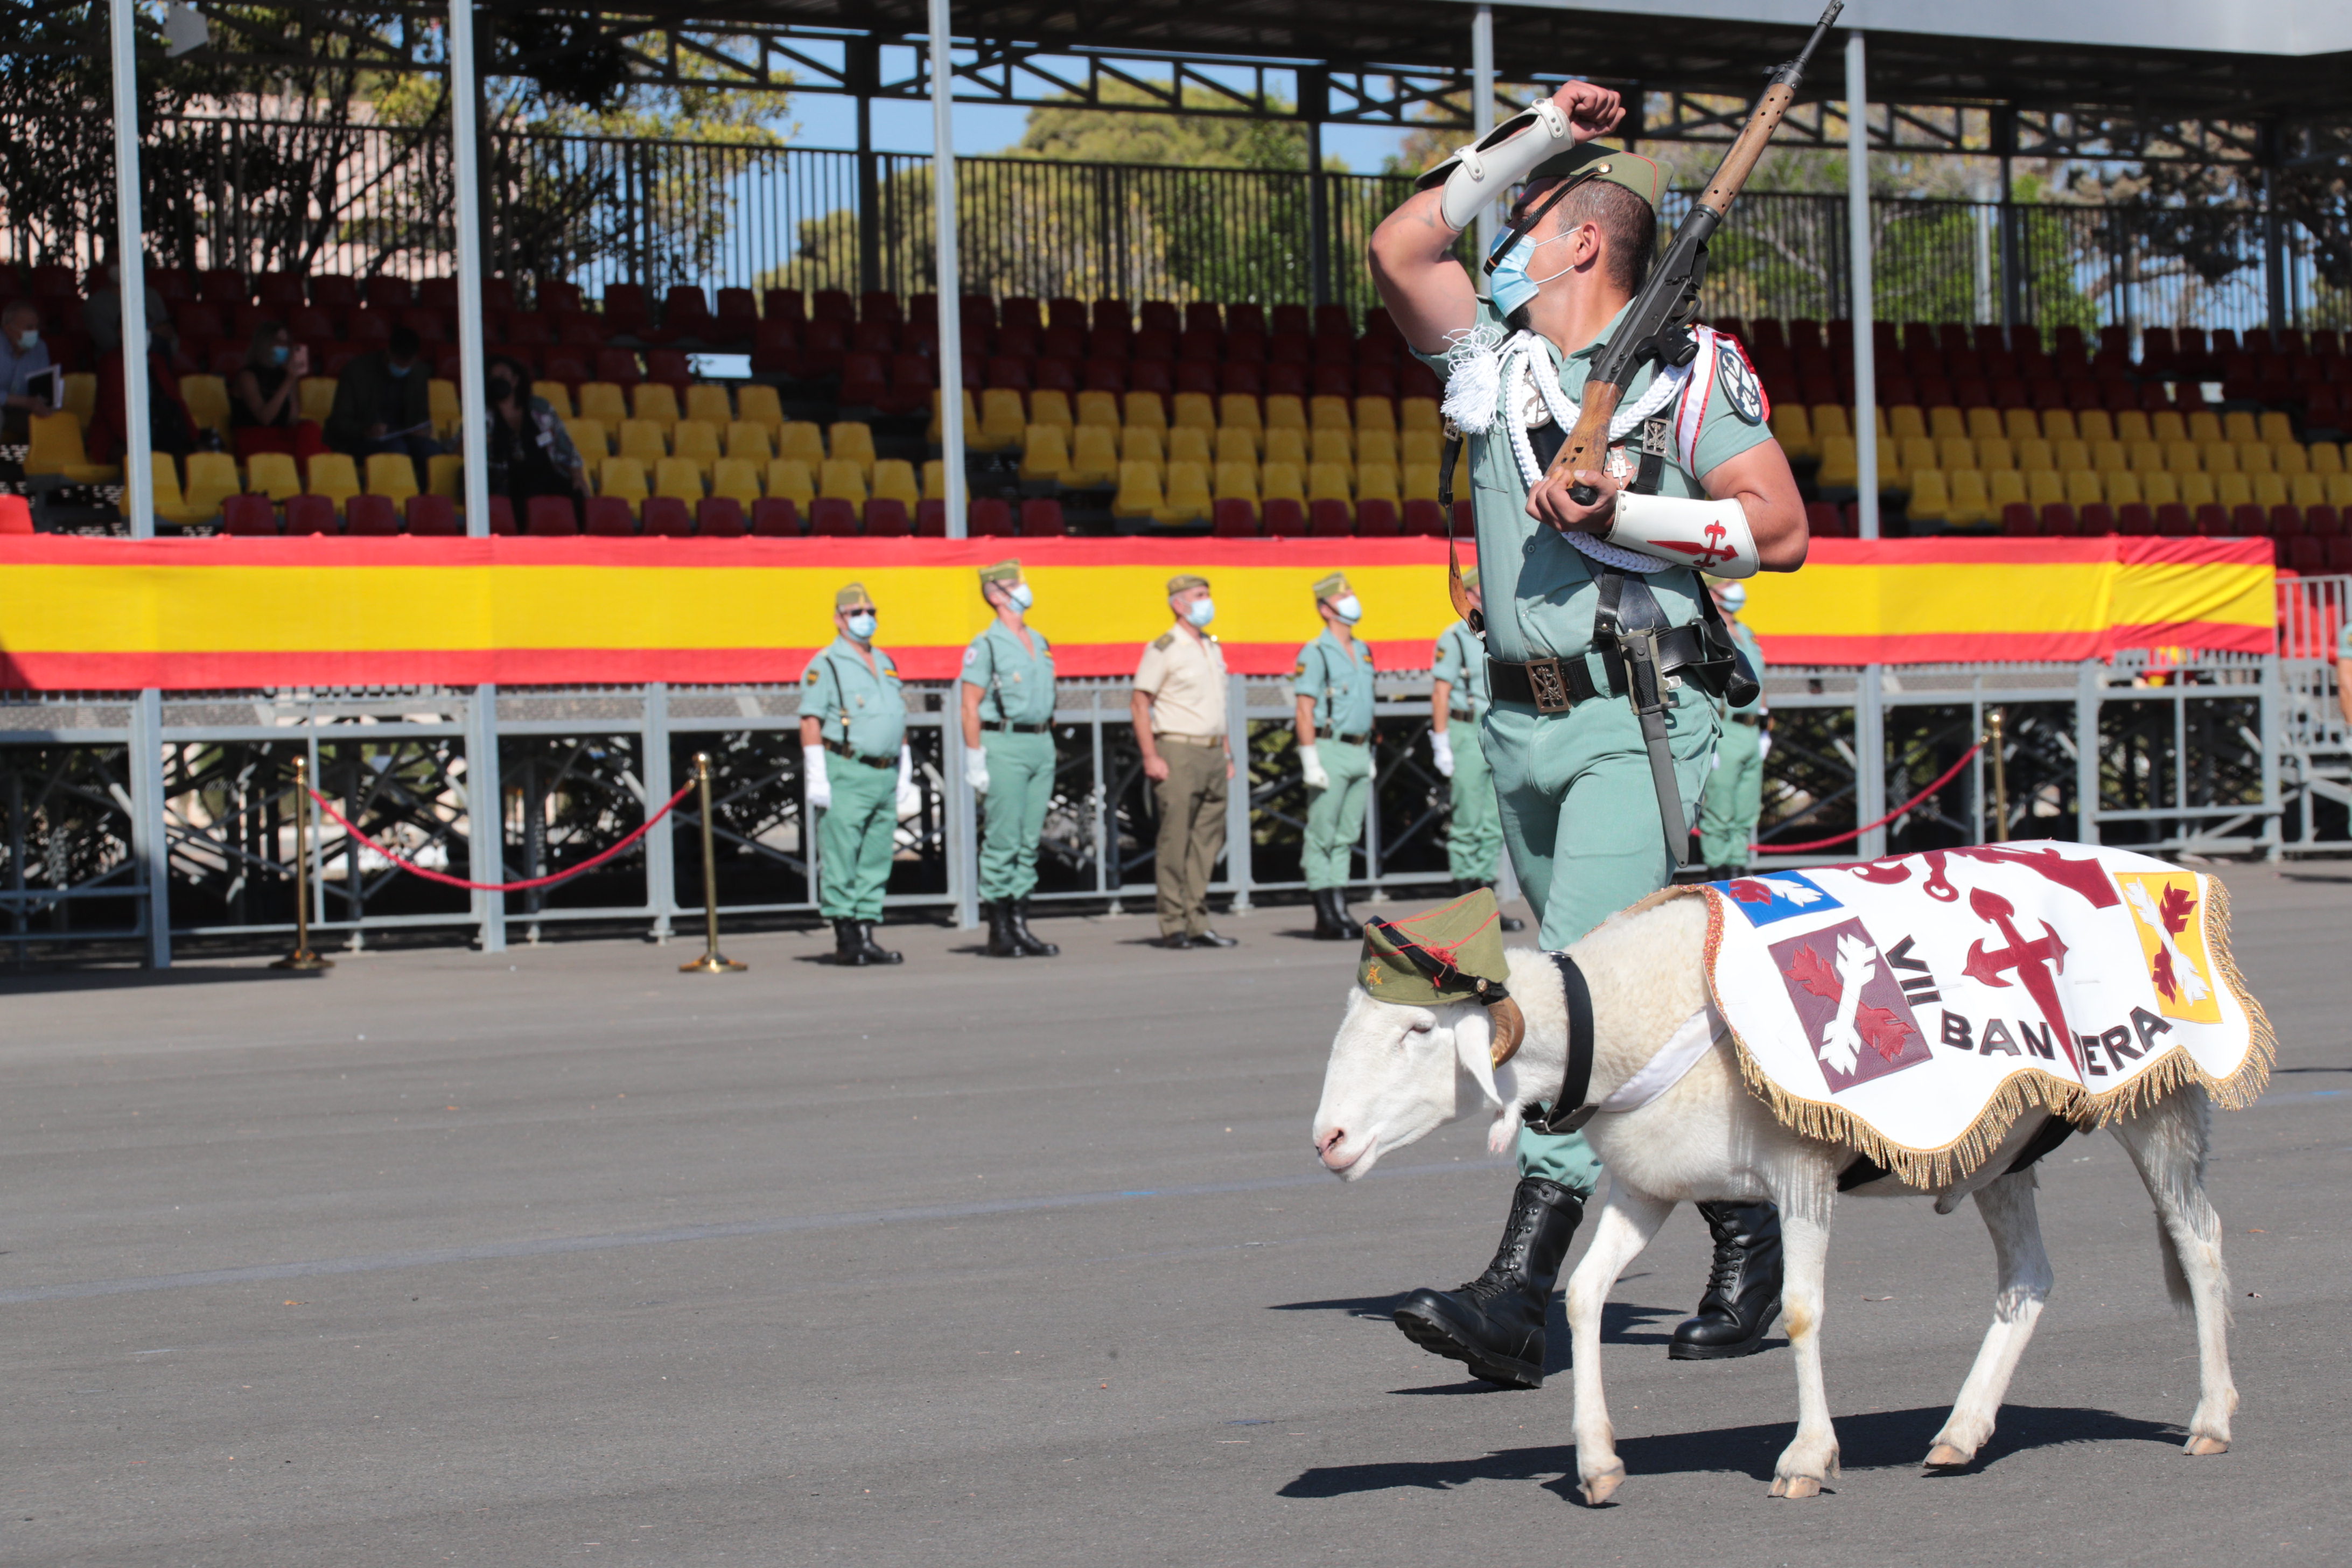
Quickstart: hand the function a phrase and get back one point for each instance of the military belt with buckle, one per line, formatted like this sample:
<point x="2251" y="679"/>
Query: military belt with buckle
<point x="1006" y="727"/>
<point x="842" y="749"/>
<point x="1549" y="685"/>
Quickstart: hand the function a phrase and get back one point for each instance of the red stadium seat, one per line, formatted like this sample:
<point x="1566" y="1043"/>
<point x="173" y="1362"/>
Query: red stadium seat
<point x="557" y="517"/>
<point x="618" y="365"/>
<point x="2339" y="554"/>
<point x="2058" y="520"/>
<point x="1233" y="518"/>
<point x="718" y="516"/>
<point x="2322" y="521"/>
<point x="1284" y="519"/>
<point x="434" y="517"/>
<point x="830" y="517"/>
<point x="2173" y="522"/>
<point x="775" y="517"/>
<point x="1329" y="520"/>
<point x="2212" y="522"/>
<point x="310" y="514"/>
<point x="370" y="515"/>
<point x="1377" y="518"/>
<point x="1425" y="518"/>
<point x="2017" y="521"/>
<point x="502" y="516"/>
<point x="252" y="517"/>
<point x="886" y="518"/>
<point x="2248" y="522"/>
<point x="1041" y="517"/>
<point x="668" y="517"/>
<point x="931" y="520"/>
<point x="670" y="365"/>
<point x="989" y="517"/>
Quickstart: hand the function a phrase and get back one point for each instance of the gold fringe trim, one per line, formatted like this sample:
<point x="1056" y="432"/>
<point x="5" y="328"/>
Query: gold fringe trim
<point x="2030" y="1090"/>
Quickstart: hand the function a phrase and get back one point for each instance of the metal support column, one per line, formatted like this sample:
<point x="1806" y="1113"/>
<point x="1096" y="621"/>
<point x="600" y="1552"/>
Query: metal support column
<point x="2012" y="272"/>
<point x="464" y="138"/>
<point x="150" y="843"/>
<point x="1314" y="102"/>
<point x="2273" y="231"/>
<point x="1870" y="759"/>
<point x="486" y="817"/>
<point x="1858" y="236"/>
<point x="2088" y="684"/>
<point x="962" y="824"/>
<point x="1238" y="870"/>
<point x="864" y="71"/>
<point x="1482" y="115"/>
<point x="661" y="845"/>
<point x="130" y="262"/>
<point x="949" y="283"/>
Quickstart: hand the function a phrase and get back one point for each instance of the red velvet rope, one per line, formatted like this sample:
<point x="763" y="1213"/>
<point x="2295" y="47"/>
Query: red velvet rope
<point x="406" y="864"/>
<point x="1825" y="843"/>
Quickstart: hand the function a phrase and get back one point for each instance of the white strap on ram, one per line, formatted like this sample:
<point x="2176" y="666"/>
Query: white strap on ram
<point x="1662" y="1072"/>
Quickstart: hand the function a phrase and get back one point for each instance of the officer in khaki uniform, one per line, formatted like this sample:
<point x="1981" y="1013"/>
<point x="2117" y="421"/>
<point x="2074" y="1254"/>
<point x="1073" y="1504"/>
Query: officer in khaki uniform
<point x="1473" y="832"/>
<point x="1333" y="684"/>
<point x="856" y="765"/>
<point x="1008" y="735"/>
<point x="1733" y="801"/>
<point x="1179" y="727"/>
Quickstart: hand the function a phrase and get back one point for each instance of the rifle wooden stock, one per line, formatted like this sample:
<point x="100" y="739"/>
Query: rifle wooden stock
<point x="1587" y="445"/>
<point x="1740" y="162"/>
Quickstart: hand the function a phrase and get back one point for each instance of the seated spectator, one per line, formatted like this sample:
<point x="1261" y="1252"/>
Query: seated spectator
<point x="261" y="396"/>
<point x="530" y="452"/>
<point x="170" y="427"/>
<point x="383" y="403"/>
<point x="102" y="314"/>
<point x="23" y="355"/>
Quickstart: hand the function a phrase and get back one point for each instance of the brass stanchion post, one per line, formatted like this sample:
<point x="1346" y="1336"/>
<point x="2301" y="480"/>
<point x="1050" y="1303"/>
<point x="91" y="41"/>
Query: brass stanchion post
<point x="1999" y="779"/>
<point x="302" y="957"/>
<point x="712" y="960"/>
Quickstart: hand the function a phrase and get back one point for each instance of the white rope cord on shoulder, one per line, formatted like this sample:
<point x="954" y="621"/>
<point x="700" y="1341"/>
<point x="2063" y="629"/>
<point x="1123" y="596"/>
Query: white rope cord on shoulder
<point x="1517" y="359"/>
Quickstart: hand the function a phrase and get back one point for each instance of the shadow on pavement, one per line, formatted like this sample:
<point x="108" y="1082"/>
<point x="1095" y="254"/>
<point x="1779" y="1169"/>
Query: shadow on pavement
<point x="35" y="983"/>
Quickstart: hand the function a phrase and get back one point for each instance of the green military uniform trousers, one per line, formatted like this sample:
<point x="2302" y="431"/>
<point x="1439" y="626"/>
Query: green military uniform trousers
<point x="1579" y="816"/>
<point x="1733" y="801"/>
<point x="1192" y="801"/>
<point x="1474" y="831"/>
<point x="1335" y="816"/>
<point x="1012" y="812"/>
<point x="856" y="837"/>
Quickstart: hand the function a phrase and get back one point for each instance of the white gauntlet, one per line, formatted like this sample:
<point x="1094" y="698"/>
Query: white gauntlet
<point x="1710" y="536"/>
<point x="1485" y="172"/>
<point x="815" y="779"/>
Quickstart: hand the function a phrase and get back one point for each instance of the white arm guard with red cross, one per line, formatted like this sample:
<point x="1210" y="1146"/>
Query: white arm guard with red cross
<point x="1710" y="536"/>
<point x="1485" y="171"/>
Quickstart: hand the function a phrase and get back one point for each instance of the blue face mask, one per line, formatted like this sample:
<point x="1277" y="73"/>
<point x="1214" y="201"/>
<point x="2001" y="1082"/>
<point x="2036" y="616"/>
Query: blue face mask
<point x="397" y="370"/>
<point x="27" y="341"/>
<point x="861" y="625"/>
<point x="1509" y="284"/>
<point x="1200" y="611"/>
<point x="1020" y="596"/>
<point x="280" y="353"/>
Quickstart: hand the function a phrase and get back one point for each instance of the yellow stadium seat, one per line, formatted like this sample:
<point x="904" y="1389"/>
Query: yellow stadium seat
<point x="2005" y="488"/>
<point x="2306" y="490"/>
<point x="2326" y="458"/>
<point x="789" y="479"/>
<point x="935" y="479"/>
<point x="1984" y="424"/>
<point x="2218" y="457"/>
<point x="556" y="395"/>
<point x="334" y="476"/>
<point x="748" y="442"/>
<point x="2339" y="488"/>
<point x="54" y="447"/>
<point x="802" y="443"/>
<point x="893" y="480"/>
<point x="1418" y="413"/>
<point x="1968" y="505"/>
<point x="1324" y="481"/>
<point x="2121" y="488"/>
<point x="2082" y="489"/>
<point x="1046" y="455"/>
<point x="2095" y="424"/>
<point x="2108" y="456"/>
<point x="2254" y="458"/>
<point x="272" y="474"/>
<point x="1098" y="408"/>
<point x="1912" y="455"/>
<point x="1906" y="423"/>
<point x="207" y="400"/>
<point x="2270" y="490"/>
<point x="1375" y="412"/>
<point x="2146" y="456"/>
<point x="2290" y="458"/>
<point x="2204" y="426"/>
<point x="761" y="405"/>
<point x="2019" y="425"/>
<point x="2233" y="490"/>
<point x="603" y="400"/>
<point x="1930" y="501"/>
<point x="1236" y="444"/>
<point x="622" y="477"/>
<point x="696" y="440"/>
<point x="842" y="479"/>
<point x="656" y="401"/>
<point x="1003" y="420"/>
<point x="2044" y="488"/>
<point x="1329" y="413"/>
<point x="2183" y="458"/>
<point x="1051" y="408"/>
<point x="679" y="477"/>
<point x="1334" y="446"/>
<point x="1944" y="422"/>
<point x="1190" y="444"/>
<point x="2161" y="488"/>
<point x="2034" y="455"/>
<point x="443" y="407"/>
<point x="1841" y="467"/>
<point x="1188" y="499"/>
<point x="2196" y="489"/>
<point x="81" y="395"/>
<point x="851" y="441"/>
<point x="936" y="436"/>
<point x="1142" y="443"/>
<point x="1285" y="411"/>
<point x="2058" y="424"/>
<point x="706" y="401"/>
<point x="1139" y="492"/>
<point x="2131" y="425"/>
<point x="737" y="479"/>
<point x="1237" y="411"/>
<point x="1793" y="428"/>
<point x="592" y="437"/>
<point x="2274" y="427"/>
<point x="1287" y="445"/>
<point x="1829" y="419"/>
<point x="1891" y="468"/>
<point x="2239" y="424"/>
<point x="1237" y="482"/>
<point x="170" y="505"/>
<point x="1955" y="453"/>
<point x="642" y="439"/>
<point x="2071" y="455"/>
<point x="1995" y="453"/>
<point x="1420" y="481"/>
<point x="1377" y="481"/>
<point x="1146" y="412"/>
<point x="391" y="474"/>
<point x="1420" y="446"/>
<point x="1094" y="457"/>
<point x="2167" y="425"/>
<point x="212" y="479"/>
<point x="315" y="398"/>
<point x="1376" y="446"/>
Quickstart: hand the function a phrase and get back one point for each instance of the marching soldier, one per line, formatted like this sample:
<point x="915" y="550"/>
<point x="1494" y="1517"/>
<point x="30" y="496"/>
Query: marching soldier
<point x="1733" y="801"/>
<point x="1333" y="683"/>
<point x="1008" y="736"/>
<point x="1587" y="618"/>
<point x="1474" y="833"/>
<point x="1179" y="708"/>
<point x="858" y="769"/>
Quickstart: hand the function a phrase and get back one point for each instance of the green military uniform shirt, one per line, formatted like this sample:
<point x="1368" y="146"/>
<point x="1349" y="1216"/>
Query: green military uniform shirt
<point x="1016" y="685"/>
<point x="1755" y="652"/>
<point x="1461" y="663"/>
<point x="1339" y="677"/>
<point x="853" y="704"/>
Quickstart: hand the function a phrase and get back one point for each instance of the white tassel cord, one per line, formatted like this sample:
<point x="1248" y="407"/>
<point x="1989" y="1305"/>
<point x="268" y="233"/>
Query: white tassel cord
<point x="1518" y="357"/>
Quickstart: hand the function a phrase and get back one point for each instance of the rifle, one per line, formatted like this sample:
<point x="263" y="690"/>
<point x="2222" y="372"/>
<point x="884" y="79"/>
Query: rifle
<point x="1658" y="324"/>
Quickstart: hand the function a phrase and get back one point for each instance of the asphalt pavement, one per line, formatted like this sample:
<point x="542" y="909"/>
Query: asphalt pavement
<point x="559" y="1256"/>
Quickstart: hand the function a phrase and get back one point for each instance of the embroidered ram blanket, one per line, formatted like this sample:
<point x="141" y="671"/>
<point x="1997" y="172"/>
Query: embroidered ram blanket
<point x="1915" y="1007"/>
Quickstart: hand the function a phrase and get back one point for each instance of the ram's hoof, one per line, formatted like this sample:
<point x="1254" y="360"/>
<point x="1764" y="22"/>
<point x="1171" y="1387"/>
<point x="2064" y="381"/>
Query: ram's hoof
<point x="1796" y="1487"/>
<point x="2202" y="1446"/>
<point x="1599" y="1490"/>
<point x="1944" y="1456"/>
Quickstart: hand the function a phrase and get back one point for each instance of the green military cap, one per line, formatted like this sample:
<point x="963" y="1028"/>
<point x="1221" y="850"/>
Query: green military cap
<point x="1183" y="580"/>
<point x="854" y="598"/>
<point x="1332" y="587"/>
<point x="1450" y="953"/>
<point x="1638" y="175"/>
<point x="1002" y="572"/>
<point x="1470" y="578"/>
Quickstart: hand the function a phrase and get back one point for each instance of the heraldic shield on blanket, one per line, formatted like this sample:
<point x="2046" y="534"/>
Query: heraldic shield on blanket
<point x="1915" y="1007"/>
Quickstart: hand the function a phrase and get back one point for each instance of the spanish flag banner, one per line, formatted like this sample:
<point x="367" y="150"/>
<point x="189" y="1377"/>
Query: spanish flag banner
<point x="113" y="614"/>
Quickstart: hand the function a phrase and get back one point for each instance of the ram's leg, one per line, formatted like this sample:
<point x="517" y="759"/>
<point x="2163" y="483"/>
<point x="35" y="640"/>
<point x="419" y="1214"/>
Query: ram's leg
<point x="1628" y="1221"/>
<point x="2166" y="1141"/>
<point x="2024" y="1269"/>
<point x="1812" y="1458"/>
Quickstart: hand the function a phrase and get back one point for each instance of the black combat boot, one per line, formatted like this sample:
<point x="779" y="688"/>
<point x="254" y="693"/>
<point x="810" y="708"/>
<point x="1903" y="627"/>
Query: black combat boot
<point x="1330" y="923"/>
<point x="1002" y="942"/>
<point x="848" y="944"/>
<point x="1743" y="1291"/>
<point x="870" y="951"/>
<point x="1029" y="941"/>
<point x="1495" y="1322"/>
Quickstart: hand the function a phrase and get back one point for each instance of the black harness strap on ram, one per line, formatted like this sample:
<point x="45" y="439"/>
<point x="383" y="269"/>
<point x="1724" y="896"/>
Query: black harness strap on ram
<point x="1569" y="1112"/>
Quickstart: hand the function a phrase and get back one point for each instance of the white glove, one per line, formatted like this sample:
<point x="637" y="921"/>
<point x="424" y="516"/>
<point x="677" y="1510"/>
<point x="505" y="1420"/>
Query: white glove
<point x="910" y="799"/>
<point x="1311" y="765"/>
<point x="1441" y="750"/>
<point x="1763" y="745"/>
<point x="975" y="770"/>
<point x="815" y="779"/>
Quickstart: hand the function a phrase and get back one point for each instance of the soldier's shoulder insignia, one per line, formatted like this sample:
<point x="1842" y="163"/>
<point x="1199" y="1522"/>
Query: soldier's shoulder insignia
<point x="1163" y="642"/>
<point x="1741" y="390"/>
<point x="811" y="677"/>
<point x="971" y="655"/>
<point x="1298" y="670"/>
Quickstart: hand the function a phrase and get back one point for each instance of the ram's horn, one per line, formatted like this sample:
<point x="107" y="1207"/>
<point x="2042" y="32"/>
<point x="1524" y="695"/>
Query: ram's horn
<point x="1510" y="1027"/>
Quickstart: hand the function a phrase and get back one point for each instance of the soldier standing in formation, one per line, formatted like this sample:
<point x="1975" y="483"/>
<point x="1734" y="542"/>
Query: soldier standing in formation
<point x="1333" y="684"/>
<point x="858" y="770"/>
<point x="1008" y="736"/>
<point x="1692" y="474"/>
<point x="1473" y="832"/>
<point x="1734" y="802"/>
<point x="1179" y="708"/>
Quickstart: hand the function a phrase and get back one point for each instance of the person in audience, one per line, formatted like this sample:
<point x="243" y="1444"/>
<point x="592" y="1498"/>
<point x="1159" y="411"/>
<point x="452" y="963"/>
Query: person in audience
<point x="532" y="454"/>
<point x="101" y="312"/>
<point x="383" y="404"/>
<point x="261" y="395"/>
<point x="23" y="354"/>
<point x="170" y="427"/>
